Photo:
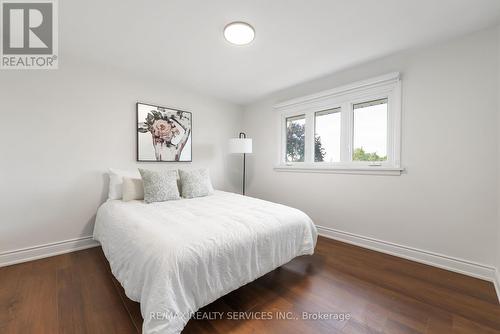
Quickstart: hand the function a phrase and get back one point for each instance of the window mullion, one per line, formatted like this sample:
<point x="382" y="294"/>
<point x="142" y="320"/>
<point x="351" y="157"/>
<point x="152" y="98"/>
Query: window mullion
<point x="282" y="157"/>
<point x="309" y="138"/>
<point x="346" y="133"/>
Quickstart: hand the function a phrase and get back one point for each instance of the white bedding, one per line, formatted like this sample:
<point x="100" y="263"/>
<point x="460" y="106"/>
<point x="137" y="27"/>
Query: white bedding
<point x="175" y="257"/>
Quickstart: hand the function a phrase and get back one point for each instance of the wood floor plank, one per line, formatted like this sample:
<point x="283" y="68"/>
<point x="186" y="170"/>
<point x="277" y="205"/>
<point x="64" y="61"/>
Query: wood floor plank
<point x="70" y="302"/>
<point x="103" y="308"/>
<point x="10" y="278"/>
<point x="37" y="283"/>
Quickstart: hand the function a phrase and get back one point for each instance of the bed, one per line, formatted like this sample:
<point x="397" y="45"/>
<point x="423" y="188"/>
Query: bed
<point x="175" y="257"/>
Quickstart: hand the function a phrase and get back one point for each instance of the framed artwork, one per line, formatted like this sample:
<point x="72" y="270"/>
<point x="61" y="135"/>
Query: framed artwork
<point x="163" y="134"/>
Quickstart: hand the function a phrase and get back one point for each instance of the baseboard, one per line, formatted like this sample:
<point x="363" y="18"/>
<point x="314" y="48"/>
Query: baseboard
<point x="497" y="284"/>
<point x="461" y="266"/>
<point x="46" y="250"/>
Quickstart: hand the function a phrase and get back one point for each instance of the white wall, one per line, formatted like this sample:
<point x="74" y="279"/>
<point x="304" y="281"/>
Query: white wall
<point x="447" y="201"/>
<point x="62" y="129"/>
<point x="498" y="205"/>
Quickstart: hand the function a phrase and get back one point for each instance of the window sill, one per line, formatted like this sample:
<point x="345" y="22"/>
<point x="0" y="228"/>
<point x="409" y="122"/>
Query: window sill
<point x="362" y="170"/>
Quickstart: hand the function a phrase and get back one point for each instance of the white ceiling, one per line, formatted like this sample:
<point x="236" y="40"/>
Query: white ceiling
<point x="182" y="42"/>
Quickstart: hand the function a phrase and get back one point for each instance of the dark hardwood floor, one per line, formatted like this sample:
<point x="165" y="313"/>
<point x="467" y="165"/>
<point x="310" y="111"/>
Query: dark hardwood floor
<point x="75" y="293"/>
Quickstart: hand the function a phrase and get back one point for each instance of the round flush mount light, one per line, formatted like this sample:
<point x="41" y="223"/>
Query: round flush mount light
<point x="239" y="33"/>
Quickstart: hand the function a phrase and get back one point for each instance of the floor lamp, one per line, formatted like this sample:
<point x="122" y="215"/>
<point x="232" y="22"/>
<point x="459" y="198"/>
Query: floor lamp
<point x="241" y="145"/>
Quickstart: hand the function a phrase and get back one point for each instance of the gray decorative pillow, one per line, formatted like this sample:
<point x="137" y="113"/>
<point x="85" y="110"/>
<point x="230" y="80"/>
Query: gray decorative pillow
<point x="195" y="183"/>
<point x="159" y="186"/>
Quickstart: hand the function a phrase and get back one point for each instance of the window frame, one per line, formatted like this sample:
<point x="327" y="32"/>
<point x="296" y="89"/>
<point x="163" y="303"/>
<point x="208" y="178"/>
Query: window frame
<point x="345" y="97"/>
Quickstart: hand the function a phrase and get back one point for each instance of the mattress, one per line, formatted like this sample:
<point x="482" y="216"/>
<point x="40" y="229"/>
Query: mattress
<point x="175" y="257"/>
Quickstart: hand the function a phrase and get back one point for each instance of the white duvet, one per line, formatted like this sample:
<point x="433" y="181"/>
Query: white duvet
<point x="175" y="257"/>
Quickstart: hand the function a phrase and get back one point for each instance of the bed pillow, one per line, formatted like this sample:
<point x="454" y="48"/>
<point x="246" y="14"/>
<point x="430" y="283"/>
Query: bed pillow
<point x="132" y="189"/>
<point x="159" y="186"/>
<point x="195" y="183"/>
<point x="116" y="181"/>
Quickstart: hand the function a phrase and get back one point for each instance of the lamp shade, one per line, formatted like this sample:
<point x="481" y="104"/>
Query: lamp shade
<point x="240" y="145"/>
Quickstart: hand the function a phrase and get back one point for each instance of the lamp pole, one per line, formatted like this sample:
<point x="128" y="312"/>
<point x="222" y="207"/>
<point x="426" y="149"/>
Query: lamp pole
<point x="243" y="135"/>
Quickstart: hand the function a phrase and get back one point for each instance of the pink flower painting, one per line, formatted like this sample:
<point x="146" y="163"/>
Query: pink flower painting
<point x="169" y="130"/>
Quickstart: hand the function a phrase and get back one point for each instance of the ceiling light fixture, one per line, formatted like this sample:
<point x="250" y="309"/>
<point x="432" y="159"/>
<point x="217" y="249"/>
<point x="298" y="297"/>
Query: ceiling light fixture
<point x="239" y="33"/>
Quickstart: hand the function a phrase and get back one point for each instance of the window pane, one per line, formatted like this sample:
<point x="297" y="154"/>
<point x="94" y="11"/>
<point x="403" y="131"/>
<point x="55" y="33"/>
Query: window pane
<point x="370" y="131"/>
<point x="327" y="136"/>
<point x="295" y="138"/>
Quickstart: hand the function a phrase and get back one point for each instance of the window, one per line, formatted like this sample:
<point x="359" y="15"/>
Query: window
<point x="295" y="138"/>
<point x="327" y="135"/>
<point x="353" y="129"/>
<point x="370" y="131"/>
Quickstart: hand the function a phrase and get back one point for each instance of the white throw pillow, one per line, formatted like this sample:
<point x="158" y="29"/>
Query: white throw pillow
<point x="116" y="181"/>
<point x="195" y="183"/>
<point x="132" y="189"/>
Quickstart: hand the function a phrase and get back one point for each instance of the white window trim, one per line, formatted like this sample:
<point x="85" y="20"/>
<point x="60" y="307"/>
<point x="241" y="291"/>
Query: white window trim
<point x="385" y="86"/>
